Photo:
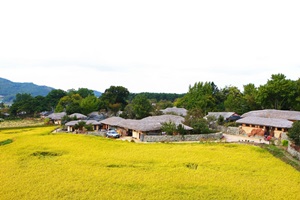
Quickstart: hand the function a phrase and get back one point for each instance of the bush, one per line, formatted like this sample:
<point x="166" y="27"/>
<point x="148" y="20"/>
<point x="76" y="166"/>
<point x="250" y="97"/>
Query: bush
<point x="285" y="143"/>
<point x="294" y="133"/>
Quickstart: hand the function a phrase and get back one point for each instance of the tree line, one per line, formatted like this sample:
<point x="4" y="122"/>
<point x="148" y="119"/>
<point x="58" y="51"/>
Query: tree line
<point x="278" y="93"/>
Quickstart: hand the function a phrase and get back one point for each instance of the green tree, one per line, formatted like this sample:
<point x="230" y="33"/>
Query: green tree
<point x="141" y="106"/>
<point x="53" y="97"/>
<point x="114" y="95"/>
<point x="84" y="92"/>
<point x="200" y="96"/>
<point x="250" y="96"/>
<point x="169" y="127"/>
<point x="71" y="104"/>
<point x="195" y="120"/>
<point x="277" y="93"/>
<point x="294" y="133"/>
<point x="23" y="103"/>
<point x="234" y="101"/>
<point x="89" y="104"/>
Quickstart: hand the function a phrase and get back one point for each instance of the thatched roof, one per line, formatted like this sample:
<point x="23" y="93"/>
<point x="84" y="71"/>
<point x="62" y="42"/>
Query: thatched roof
<point x="277" y="114"/>
<point x="78" y="116"/>
<point x="280" y="123"/>
<point x="73" y="123"/>
<point x="177" y="111"/>
<point x="112" y="121"/>
<point x="57" y="116"/>
<point x="218" y="114"/>
<point x="153" y="123"/>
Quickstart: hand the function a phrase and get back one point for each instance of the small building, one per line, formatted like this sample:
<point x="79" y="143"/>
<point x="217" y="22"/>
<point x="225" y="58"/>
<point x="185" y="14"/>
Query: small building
<point x="71" y="125"/>
<point x="57" y="117"/>
<point x="273" y="122"/>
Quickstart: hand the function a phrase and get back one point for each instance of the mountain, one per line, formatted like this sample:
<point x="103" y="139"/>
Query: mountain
<point x="9" y="89"/>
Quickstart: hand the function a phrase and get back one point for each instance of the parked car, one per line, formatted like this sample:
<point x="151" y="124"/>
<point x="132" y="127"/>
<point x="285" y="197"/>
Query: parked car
<point x="112" y="133"/>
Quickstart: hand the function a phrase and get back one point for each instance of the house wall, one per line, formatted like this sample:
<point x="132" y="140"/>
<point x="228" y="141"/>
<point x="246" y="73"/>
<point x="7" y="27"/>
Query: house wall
<point x="277" y="131"/>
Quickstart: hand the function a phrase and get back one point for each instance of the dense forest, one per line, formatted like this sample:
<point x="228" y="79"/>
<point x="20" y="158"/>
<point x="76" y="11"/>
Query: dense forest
<point x="277" y="93"/>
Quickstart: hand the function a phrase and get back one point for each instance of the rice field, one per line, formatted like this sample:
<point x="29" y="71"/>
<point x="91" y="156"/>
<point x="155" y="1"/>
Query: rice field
<point x="36" y="164"/>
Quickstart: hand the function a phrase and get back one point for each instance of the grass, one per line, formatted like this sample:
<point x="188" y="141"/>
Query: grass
<point x="41" y="165"/>
<point x="21" y="123"/>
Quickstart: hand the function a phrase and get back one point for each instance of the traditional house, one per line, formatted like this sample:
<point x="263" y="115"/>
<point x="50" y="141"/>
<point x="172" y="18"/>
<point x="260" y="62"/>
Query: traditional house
<point x="71" y="125"/>
<point x="272" y="122"/>
<point x="78" y="116"/>
<point x="175" y="110"/>
<point x="139" y="128"/>
<point x="57" y="117"/>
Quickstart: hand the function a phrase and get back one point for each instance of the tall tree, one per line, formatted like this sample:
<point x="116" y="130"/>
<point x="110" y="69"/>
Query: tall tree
<point x="141" y="106"/>
<point x="54" y="96"/>
<point x="200" y="96"/>
<point x="250" y="96"/>
<point x="234" y="101"/>
<point x="23" y="103"/>
<point x="115" y="95"/>
<point x="89" y="104"/>
<point x="277" y="93"/>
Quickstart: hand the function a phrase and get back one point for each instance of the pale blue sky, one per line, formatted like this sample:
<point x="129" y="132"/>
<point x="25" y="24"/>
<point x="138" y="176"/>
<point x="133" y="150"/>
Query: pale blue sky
<point x="152" y="46"/>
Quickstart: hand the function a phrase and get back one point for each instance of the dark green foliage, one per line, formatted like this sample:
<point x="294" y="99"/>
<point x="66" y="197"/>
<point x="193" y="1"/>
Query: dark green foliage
<point x="294" y="133"/>
<point x="158" y="96"/>
<point x="195" y="120"/>
<point x="168" y="127"/>
<point x="141" y="107"/>
<point x="5" y="142"/>
<point x="220" y="120"/>
<point x="277" y="93"/>
<point x="114" y="95"/>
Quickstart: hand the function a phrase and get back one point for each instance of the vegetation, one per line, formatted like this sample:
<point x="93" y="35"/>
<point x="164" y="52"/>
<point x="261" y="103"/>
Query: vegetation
<point x="41" y="165"/>
<point x="294" y="133"/>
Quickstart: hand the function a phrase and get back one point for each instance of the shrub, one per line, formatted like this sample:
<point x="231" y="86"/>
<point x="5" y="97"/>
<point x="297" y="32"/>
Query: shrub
<point x="285" y="143"/>
<point x="294" y="133"/>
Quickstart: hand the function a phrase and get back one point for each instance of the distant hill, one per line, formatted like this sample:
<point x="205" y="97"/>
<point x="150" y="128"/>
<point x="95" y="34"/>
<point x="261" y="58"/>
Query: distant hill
<point x="9" y="89"/>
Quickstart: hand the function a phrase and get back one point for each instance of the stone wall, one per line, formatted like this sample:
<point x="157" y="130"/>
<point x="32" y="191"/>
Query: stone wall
<point x="229" y="130"/>
<point x="176" y="138"/>
<point x="97" y="133"/>
<point x="293" y="152"/>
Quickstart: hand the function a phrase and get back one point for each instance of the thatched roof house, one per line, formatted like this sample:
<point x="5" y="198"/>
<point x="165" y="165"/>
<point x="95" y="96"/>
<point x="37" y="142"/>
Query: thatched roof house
<point x="56" y="117"/>
<point x="70" y="125"/>
<point x="277" y="114"/>
<point x="274" y="121"/>
<point x="148" y="125"/>
<point x="175" y="110"/>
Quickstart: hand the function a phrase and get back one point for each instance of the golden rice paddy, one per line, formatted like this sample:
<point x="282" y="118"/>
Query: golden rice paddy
<point x="36" y="164"/>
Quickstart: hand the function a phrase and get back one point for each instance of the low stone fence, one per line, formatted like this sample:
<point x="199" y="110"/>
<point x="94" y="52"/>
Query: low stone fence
<point x="97" y="133"/>
<point x="229" y="130"/>
<point x="293" y="152"/>
<point x="176" y="138"/>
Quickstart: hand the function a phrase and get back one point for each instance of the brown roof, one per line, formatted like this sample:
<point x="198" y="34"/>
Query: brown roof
<point x="273" y="122"/>
<point x="277" y="114"/>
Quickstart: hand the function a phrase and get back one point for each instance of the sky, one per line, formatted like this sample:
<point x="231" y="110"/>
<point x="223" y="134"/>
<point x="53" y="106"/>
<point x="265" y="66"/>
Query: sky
<point x="148" y="46"/>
